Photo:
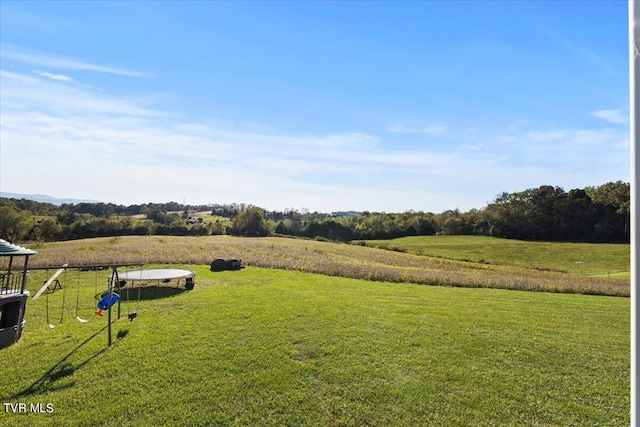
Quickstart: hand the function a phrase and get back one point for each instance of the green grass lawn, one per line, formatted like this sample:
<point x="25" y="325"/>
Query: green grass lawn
<point x="271" y="347"/>
<point x="580" y="258"/>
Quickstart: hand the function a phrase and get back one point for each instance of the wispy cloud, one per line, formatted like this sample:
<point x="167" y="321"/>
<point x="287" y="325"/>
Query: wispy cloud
<point x="572" y="136"/>
<point x="43" y="95"/>
<point x="58" y="77"/>
<point x="546" y="136"/>
<point x="59" y="62"/>
<point x="18" y="77"/>
<point x="475" y="147"/>
<point x="135" y="152"/>
<point x="612" y="116"/>
<point x="433" y="129"/>
<point x="581" y="156"/>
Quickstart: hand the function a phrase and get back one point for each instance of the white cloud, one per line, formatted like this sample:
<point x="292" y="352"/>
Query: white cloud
<point x="564" y="137"/>
<point x="612" y="116"/>
<point x="593" y="136"/>
<point x="475" y="147"/>
<point x="57" y="62"/>
<point x="70" y="141"/>
<point x="58" y="77"/>
<point x="18" y="77"/>
<point x="546" y="136"/>
<point x="42" y="95"/>
<point x="135" y="154"/>
<point x="433" y="129"/>
<point x="575" y="158"/>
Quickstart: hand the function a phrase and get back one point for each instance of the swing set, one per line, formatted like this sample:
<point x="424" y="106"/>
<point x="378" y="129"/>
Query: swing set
<point x="106" y="300"/>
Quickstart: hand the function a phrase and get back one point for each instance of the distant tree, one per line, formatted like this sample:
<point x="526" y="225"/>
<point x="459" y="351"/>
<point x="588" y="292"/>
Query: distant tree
<point x="423" y="225"/>
<point x="96" y="209"/>
<point x="49" y="230"/>
<point x="226" y="211"/>
<point x="616" y="195"/>
<point x="544" y="213"/>
<point x="217" y="227"/>
<point x="66" y="217"/>
<point x="36" y="208"/>
<point x="250" y="223"/>
<point x="154" y="214"/>
<point x="281" y="228"/>
<point x="14" y="224"/>
<point x="330" y="229"/>
<point x="162" y="217"/>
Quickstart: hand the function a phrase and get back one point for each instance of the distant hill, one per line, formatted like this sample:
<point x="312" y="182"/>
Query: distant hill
<point x="43" y="198"/>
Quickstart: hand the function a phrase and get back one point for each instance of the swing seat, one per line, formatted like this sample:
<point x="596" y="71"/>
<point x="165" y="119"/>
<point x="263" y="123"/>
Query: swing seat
<point x="109" y="299"/>
<point x="56" y="285"/>
<point x="81" y="320"/>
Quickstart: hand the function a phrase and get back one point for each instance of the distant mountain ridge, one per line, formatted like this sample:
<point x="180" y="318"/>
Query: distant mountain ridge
<point x="43" y="198"/>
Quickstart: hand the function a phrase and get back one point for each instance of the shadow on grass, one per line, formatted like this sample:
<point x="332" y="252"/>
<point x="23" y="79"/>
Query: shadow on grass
<point x="143" y="293"/>
<point x="60" y="370"/>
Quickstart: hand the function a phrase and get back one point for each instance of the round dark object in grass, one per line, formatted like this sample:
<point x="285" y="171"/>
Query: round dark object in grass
<point x="233" y="264"/>
<point x="219" y="265"/>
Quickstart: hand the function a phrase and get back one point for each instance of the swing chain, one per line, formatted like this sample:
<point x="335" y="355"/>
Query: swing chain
<point x="51" y="325"/>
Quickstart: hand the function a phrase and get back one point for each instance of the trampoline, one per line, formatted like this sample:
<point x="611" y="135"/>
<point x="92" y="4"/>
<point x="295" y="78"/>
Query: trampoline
<point x="156" y="274"/>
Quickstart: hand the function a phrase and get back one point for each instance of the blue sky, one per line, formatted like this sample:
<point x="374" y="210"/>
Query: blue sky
<point x="379" y="106"/>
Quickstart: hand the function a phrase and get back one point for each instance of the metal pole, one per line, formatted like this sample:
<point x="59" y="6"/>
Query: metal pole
<point x="8" y="278"/>
<point x="634" y="121"/>
<point x="113" y="275"/>
<point x="24" y="274"/>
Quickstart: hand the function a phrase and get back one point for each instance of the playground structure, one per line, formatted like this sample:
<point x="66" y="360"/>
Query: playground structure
<point x="116" y="282"/>
<point x="109" y="299"/>
<point x="13" y="294"/>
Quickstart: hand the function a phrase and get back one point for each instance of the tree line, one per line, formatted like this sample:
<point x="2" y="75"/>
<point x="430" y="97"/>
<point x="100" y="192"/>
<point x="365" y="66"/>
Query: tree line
<point x="546" y="213"/>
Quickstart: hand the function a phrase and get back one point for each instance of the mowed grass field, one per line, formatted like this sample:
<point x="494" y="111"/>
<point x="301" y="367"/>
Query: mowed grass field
<point x="594" y="259"/>
<point x="268" y="347"/>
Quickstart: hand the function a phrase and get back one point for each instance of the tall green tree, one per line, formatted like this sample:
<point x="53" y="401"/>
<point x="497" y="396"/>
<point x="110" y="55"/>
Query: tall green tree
<point x="14" y="224"/>
<point x="617" y="195"/>
<point x="250" y="223"/>
<point x="49" y="230"/>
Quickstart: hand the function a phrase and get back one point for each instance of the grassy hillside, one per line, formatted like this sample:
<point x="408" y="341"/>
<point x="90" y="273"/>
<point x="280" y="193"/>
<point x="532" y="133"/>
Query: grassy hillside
<point x="269" y="347"/>
<point x="578" y="258"/>
<point x="351" y="261"/>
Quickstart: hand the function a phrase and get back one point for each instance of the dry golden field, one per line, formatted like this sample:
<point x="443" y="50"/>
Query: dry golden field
<point x="333" y="259"/>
